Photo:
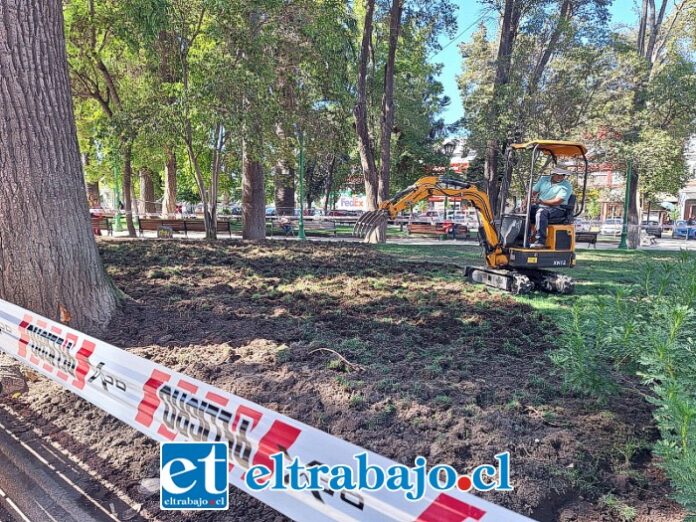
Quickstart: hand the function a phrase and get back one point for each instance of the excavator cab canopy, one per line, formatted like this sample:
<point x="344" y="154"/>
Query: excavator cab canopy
<point x="554" y="148"/>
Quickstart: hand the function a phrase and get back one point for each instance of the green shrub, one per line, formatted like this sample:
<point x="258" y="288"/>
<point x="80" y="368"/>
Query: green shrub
<point x="649" y="332"/>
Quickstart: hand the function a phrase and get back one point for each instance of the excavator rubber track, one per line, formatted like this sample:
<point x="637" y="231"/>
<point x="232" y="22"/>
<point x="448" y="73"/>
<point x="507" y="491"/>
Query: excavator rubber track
<point x="521" y="281"/>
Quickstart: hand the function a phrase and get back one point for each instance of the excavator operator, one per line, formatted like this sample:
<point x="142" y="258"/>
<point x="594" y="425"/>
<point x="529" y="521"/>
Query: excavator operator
<point x="548" y="194"/>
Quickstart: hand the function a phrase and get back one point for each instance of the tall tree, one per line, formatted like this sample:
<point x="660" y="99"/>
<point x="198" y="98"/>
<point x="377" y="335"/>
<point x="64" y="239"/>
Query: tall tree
<point x="168" y="74"/>
<point x="515" y="94"/>
<point x="49" y="265"/>
<point x="97" y="60"/>
<point x="651" y="43"/>
<point x="365" y="143"/>
<point x="509" y="27"/>
<point x="387" y="121"/>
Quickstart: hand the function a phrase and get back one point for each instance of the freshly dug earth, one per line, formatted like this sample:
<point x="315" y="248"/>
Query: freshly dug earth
<point x="438" y="368"/>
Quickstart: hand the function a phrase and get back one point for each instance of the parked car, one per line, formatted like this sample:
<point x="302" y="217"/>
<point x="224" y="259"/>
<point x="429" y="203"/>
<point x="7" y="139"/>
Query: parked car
<point x="611" y="227"/>
<point x="270" y="211"/>
<point x="309" y="212"/>
<point x="433" y="214"/>
<point x="682" y="229"/>
<point x="582" y="225"/>
<point x="468" y="219"/>
<point x="652" y="228"/>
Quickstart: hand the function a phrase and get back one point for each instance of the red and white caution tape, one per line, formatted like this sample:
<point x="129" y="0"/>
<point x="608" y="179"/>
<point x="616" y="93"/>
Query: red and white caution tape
<point x="166" y="406"/>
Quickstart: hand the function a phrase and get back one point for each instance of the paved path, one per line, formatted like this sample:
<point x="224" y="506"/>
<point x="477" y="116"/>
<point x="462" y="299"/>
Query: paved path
<point x="37" y="484"/>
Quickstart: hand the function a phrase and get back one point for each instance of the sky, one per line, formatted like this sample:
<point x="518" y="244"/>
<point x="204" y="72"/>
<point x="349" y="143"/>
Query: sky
<point x="623" y="12"/>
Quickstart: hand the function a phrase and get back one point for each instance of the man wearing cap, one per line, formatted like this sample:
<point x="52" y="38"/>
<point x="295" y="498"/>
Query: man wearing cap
<point x="548" y="194"/>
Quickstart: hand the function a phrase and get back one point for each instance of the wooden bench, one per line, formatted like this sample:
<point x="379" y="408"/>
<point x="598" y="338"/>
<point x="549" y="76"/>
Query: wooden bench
<point x="290" y="228"/>
<point x="101" y="223"/>
<point x="460" y="231"/>
<point x="198" y="225"/>
<point x="312" y="224"/>
<point x="180" y="225"/>
<point x="587" y="237"/>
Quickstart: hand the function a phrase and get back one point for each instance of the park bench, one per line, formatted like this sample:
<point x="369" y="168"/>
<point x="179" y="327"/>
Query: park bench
<point x="180" y="225"/>
<point x="460" y="231"/>
<point x="320" y="225"/>
<point x="101" y="223"/>
<point x="198" y="225"/>
<point x="290" y="228"/>
<point x="587" y="237"/>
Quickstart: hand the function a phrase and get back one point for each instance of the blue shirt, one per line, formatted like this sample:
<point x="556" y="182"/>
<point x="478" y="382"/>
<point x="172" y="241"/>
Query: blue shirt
<point x="548" y="190"/>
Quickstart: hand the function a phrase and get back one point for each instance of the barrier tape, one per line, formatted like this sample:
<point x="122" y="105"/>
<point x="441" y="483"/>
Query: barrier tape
<point x="166" y="405"/>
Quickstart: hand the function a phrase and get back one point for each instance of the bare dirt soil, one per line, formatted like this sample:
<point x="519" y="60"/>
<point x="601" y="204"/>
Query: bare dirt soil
<point x="448" y="370"/>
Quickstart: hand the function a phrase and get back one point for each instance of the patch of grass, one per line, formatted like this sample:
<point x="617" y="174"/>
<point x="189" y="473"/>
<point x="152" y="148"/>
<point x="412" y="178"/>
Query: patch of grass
<point x="619" y="509"/>
<point x="357" y="401"/>
<point x="629" y="449"/>
<point x="443" y="401"/>
<point x="336" y="364"/>
<point x="283" y="355"/>
<point x="157" y="273"/>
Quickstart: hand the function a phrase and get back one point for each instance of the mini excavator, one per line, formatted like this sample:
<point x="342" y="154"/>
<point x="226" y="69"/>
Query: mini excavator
<point x="510" y="264"/>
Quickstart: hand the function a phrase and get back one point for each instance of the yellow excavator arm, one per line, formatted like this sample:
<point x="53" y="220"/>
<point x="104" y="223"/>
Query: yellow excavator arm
<point x="439" y="186"/>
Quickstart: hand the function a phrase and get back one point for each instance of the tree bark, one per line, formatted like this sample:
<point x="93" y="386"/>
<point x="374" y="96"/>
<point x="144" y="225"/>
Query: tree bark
<point x="508" y="34"/>
<point x="388" y="99"/>
<point x="135" y="204"/>
<point x="169" y="199"/>
<point x="633" y="232"/>
<point x="491" y="170"/>
<point x="147" y="191"/>
<point x="127" y="185"/>
<point x="329" y="183"/>
<point x="208" y="207"/>
<point x="564" y="16"/>
<point x="253" y="198"/>
<point x="284" y="185"/>
<point x="48" y="264"/>
<point x="365" y="145"/>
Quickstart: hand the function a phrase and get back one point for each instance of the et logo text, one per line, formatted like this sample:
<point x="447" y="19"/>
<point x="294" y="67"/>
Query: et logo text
<point x="193" y="476"/>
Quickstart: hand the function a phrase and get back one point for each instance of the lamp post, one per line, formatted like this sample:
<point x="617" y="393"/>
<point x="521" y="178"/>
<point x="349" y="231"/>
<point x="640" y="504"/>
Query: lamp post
<point x="624" y="228"/>
<point x="300" y="230"/>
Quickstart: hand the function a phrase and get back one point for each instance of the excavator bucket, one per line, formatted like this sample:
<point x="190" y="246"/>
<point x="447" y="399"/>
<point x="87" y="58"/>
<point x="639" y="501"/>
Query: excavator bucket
<point x="372" y="226"/>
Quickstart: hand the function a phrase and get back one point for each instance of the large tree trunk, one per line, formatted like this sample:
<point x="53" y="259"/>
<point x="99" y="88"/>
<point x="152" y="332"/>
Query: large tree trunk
<point x="48" y="264"/>
<point x="284" y="184"/>
<point x="329" y="183"/>
<point x="388" y="99"/>
<point x="127" y="186"/>
<point x="147" y="191"/>
<point x="169" y="198"/>
<point x="253" y="198"/>
<point x="365" y="145"/>
<point x="508" y="34"/>
<point x="633" y="233"/>
<point x="491" y="171"/>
